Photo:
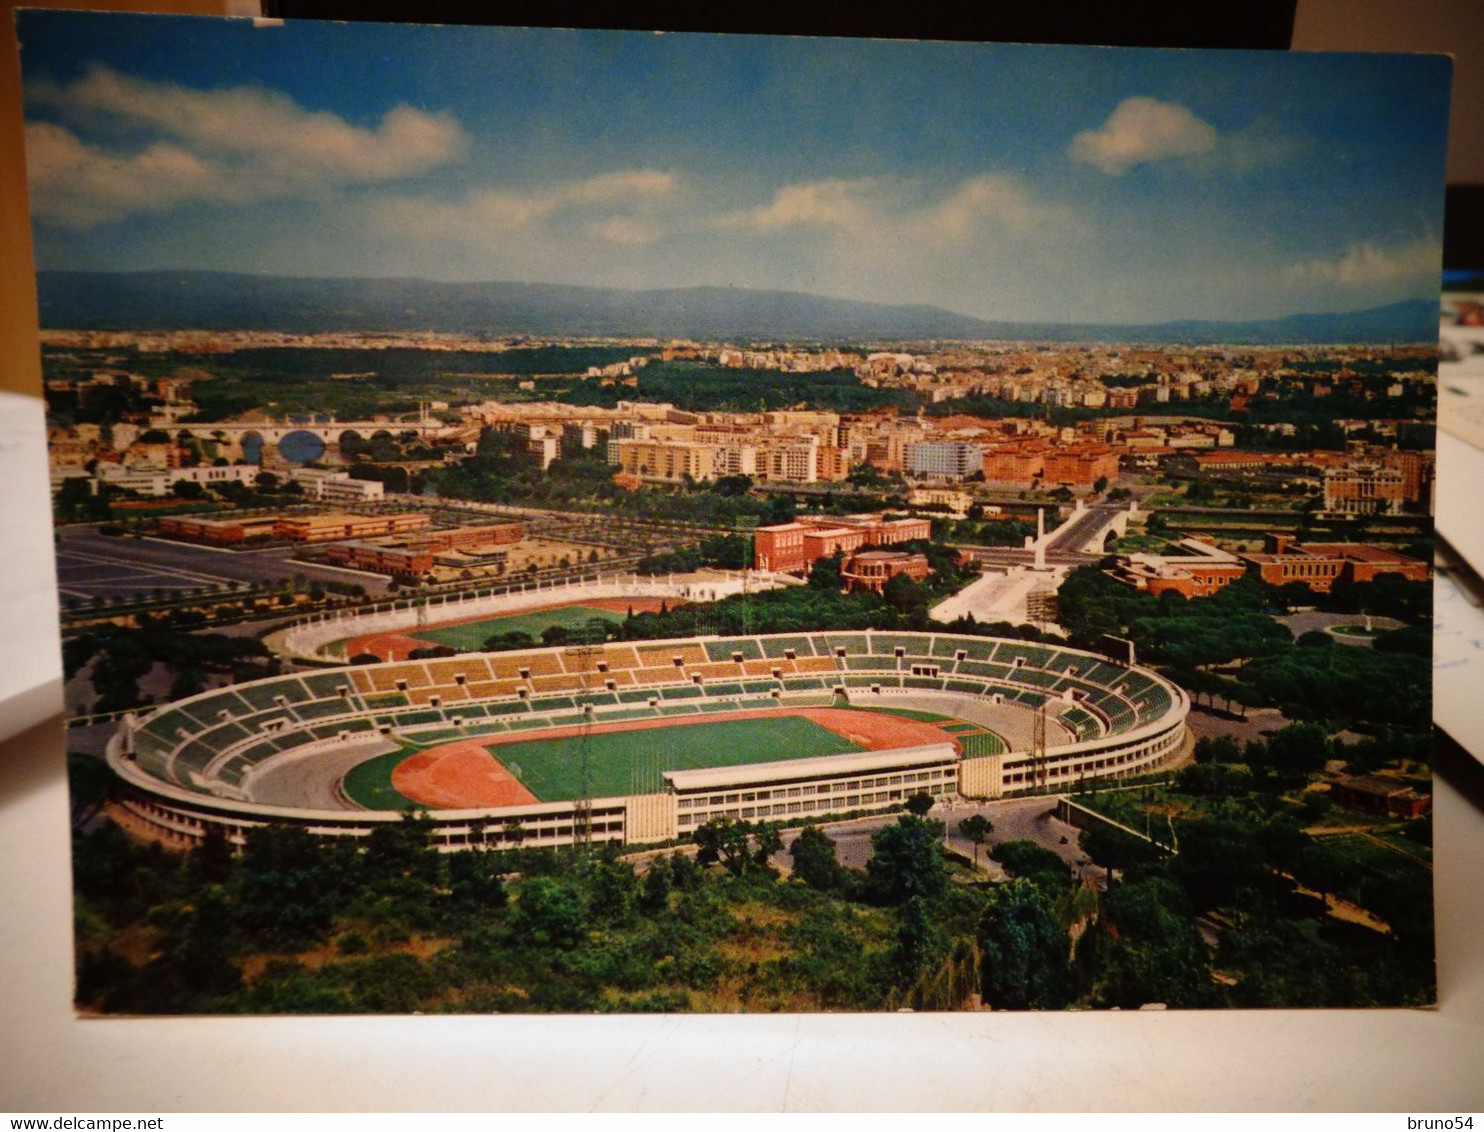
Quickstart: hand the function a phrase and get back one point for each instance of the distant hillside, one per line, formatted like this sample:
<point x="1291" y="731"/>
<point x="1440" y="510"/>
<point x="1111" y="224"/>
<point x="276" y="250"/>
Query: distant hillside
<point x="208" y="300"/>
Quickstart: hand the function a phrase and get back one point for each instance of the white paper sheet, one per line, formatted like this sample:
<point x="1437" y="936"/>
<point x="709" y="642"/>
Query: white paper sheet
<point x="30" y="651"/>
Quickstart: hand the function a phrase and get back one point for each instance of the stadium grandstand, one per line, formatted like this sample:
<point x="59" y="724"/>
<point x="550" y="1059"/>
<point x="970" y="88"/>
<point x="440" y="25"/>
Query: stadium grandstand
<point x="641" y="742"/>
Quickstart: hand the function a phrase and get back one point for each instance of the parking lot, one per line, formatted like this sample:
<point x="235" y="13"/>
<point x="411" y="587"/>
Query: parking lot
<point x="91" y="565"/>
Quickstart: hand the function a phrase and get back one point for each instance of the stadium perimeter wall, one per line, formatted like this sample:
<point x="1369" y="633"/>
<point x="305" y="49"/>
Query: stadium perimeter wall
<point x="180" y="811"/>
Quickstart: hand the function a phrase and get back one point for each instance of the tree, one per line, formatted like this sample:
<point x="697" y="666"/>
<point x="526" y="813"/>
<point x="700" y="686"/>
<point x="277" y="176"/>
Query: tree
<point x="919" y="941"/>
<point x="825" y="573"/>
<point x="919" y="804"/>
<point x="1159" y="955"/>
<point x="212" y="860"/>
<point x="909" y="598"/>
<point x="402" y="849"/>
<point x="474" y="882"/>
<point x="815" y="861"/>
<point x="551" y="911"/>
<point x="89" y="785"/>
<point x="1299" y="749"/>
<point x="1032" y="862"/>
<point x="725" y="841"/>
<point x="612" y="890"/>
<point x="769" y="841"/>
<point x="655" y="894"/>
<point x="1024" y="950"/>
<point x="1114" y="849"/>
<point x="977" y="828"/>
<point x="285" y="895"/>
<point x="906" y="861"/>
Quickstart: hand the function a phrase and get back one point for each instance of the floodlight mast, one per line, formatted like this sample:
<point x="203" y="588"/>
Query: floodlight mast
<point x="589" y="646"/>
<point x="1038" y="746"/>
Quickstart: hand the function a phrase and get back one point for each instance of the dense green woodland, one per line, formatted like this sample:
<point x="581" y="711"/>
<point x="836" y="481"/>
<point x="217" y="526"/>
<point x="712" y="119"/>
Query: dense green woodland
<point x="704" y="386"/>
<point x="1229" y="648"/>
<point x="292" y="925"/>
<point x="360" y="383"/>
<point x="121" y="657"/>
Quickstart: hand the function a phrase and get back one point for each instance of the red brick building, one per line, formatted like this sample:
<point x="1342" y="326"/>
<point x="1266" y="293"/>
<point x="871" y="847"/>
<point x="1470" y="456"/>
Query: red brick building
<point x="396" y="560"/>
<point x="1080" y="465"/>
<point x="460" y="538"/>
<point x="1320" y="565"/>
<point x="872" y="569"/>
<point x="217" y="532"/>
<point x="1199" y="580"/>
<point x="1380" y="796"/>
<point x="335" y="527"/>
<point x="791" y="548"/>
<point x="1200" y="572"/>
<point x="780" y="548"/>
<point x="1020" y="461"/>
<point x="1365" y="489"/>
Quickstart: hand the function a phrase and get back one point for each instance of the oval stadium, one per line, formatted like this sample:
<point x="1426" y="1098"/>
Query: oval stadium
<point x="642" y="742"/>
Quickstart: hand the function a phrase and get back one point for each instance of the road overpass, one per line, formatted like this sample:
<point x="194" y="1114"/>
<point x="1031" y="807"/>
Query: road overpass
<point x="1014" y="577"/>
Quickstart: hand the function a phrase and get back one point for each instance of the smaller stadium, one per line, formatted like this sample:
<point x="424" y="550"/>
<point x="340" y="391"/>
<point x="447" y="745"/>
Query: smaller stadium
<point x="469" y="635"/>
<point x="642" y="742"/>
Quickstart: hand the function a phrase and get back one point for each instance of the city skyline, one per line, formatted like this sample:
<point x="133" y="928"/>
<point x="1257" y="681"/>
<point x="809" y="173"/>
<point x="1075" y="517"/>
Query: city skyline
<point x="1003" y="182"/>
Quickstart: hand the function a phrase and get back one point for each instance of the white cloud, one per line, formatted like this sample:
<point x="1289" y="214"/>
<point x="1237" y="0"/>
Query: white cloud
<point x="1370" y="264"/>
<point x="628" y="184"/>
<point x="626" y="231"/>
<point x="244" y="143"/>
<point x="77" y="186"/>
<point x="826" y="204"/>
<point x="989" y="199"/>
<point x="878" y="209"/>
<point x="1141" y="130"/>
<point x="616" y="207"/>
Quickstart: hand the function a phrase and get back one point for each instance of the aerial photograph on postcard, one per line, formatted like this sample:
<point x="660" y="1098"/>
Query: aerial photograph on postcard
<point x="573" y="522"/>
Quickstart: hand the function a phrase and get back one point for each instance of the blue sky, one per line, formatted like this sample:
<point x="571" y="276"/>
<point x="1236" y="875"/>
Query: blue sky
<point x="1006" y="182"/>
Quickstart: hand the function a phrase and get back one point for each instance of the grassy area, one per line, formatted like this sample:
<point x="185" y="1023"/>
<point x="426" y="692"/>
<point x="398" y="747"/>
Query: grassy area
<point x="472" y="635"/>
<point x="1405" y="845"/>
<point x="627" y="762"/>
<point x="369" y="783"/>
<point x="979" y="744"/>
<point x="1388" y="855"/>
<point x="1143" y="544"/>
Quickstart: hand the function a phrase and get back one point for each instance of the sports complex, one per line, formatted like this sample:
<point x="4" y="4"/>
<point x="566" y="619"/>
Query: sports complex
<point x="634" y="742"/>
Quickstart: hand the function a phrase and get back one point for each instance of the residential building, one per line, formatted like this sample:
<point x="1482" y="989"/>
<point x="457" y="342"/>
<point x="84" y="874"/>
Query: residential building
<point x="937" y="459"/>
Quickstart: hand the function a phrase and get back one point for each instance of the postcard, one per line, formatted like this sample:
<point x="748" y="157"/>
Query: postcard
<point x="572" y="521"/>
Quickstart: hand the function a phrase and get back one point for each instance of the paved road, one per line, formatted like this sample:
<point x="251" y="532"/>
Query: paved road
<point x="1030" y="819"/>
<point x="1063" y="549"/>
<point x="1071" y="536"/>
<point x="1300" y="623"/>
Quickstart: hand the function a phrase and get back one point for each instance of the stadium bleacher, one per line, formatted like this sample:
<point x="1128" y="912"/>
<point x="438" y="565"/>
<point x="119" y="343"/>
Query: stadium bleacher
<point x="220" y="736"/>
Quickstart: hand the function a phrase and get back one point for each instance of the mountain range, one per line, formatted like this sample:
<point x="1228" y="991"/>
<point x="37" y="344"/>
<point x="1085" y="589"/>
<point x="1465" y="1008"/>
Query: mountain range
<point x="211" y="300"/>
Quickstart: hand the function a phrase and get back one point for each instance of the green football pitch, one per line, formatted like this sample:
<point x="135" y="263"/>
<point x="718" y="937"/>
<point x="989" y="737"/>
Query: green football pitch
<point x="630" y="762"/>
<point x="369" y="783"/>
<point x="472" y="635"/>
